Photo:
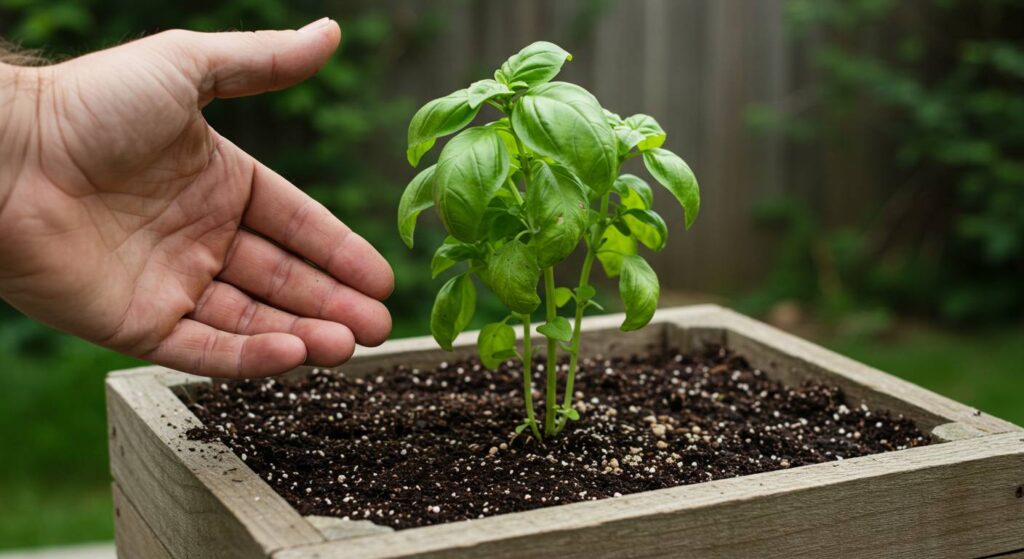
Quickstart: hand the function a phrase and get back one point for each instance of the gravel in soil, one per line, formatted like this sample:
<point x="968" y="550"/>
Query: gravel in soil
<point x="419" y="447"/>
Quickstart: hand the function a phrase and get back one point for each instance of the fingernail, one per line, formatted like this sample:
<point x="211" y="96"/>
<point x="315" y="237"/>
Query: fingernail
<point x="316" y="25"/>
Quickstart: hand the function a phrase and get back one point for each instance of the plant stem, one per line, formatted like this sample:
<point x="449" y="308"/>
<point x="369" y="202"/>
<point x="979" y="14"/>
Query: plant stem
<point x="552" y="390"/>
<point x="574" y="351"/>
<point x="528" y="377"/>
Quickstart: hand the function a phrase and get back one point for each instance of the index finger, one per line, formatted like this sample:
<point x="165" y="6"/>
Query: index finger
<point x="281" y="212"/>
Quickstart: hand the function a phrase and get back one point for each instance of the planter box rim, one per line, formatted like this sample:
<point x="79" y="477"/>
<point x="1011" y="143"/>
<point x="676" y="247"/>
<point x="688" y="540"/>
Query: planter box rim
<point x="147" y="417"/>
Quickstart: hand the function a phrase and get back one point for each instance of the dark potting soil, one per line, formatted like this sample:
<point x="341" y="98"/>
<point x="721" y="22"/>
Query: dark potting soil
<point x="416" y="447"/>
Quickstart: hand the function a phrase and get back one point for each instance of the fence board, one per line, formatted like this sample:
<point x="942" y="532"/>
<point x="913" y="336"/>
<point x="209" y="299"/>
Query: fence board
<point x="695" y="65"/>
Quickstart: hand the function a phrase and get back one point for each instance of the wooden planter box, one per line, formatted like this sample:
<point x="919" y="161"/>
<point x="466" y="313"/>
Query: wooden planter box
<point x="963" y="497"/>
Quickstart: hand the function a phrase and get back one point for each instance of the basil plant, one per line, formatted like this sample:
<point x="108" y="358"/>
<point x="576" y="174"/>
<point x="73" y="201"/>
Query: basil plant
<point x="519" y="194"/>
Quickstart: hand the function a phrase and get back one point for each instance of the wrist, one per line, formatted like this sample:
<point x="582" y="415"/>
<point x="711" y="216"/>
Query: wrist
<point x="19" y="89"/>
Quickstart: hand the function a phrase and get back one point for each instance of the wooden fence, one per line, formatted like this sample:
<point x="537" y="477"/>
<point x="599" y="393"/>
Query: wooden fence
<point x="697" y="66"/>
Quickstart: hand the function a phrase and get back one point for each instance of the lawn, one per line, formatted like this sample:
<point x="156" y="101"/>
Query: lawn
<point x="54" y="483"/>
<point x="980" y="369"/>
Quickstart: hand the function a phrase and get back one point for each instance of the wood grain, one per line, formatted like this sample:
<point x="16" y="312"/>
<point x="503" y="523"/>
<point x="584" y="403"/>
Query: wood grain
<point x="956" y="499"/>
<point x="133" y="537"/>
<point x="793" y="360"/>
<point x="199" y="498"/>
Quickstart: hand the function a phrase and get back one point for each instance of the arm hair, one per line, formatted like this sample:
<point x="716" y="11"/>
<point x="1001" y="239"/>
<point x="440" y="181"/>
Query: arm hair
<point x="15" y="56"/>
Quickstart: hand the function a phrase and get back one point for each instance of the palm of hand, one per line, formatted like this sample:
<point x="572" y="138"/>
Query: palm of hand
<point x="129" y="229"/>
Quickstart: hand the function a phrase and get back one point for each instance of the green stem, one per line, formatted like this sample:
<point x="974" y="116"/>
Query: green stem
<point x="552" y="391"/>
<point x="528" y="377"/>
<point x="574" y="351"/>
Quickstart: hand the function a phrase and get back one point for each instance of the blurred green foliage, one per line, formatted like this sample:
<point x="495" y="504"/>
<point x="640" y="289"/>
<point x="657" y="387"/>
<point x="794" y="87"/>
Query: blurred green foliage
<point x="940" y="85"/>
<point x="340" y="136"/>
<point x="951" y="99"/>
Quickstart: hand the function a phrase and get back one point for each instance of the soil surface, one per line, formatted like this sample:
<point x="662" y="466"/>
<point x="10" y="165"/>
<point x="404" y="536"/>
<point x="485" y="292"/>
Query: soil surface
<point x="416" y="447"/>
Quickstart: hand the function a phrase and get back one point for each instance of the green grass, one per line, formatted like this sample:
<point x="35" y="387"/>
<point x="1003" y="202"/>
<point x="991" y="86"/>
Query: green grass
<point x="981" y="369"/>
<point x="54" y="480"/>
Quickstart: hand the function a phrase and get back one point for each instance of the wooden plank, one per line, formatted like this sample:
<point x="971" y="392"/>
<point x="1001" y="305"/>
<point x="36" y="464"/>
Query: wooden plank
<point x="601" y="336"/>
<point x="959" y="495"/>
<point x="949" y="500"/>
<point x="199" y="498"/>
<point x="133" y="537"/>
<point x="794" y="360"/>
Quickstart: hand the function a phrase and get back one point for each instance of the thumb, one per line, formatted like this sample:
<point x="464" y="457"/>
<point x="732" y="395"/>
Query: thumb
<point x="235" y="64"/>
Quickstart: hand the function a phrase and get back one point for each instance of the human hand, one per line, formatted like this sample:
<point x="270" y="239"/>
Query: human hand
<point x="127" y="220"/>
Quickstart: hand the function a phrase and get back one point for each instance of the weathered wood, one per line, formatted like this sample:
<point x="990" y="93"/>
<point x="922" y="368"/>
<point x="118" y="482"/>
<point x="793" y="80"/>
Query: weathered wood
<point x="956" y="499"/>
<point x="133" y="537"/>
<point x="199" y="498"/>
<point x="793" y="360"/>
<point x="956" y="432"/>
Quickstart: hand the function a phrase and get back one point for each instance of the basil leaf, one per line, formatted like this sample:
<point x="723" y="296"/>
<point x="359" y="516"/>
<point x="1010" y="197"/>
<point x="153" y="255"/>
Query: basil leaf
<point x="639" y="289"/>
<point x="416" y="198"/>
<point x="496" y="338"/>
<point x="437" y="118"/>
<point x="562" y="296"/>
<point x="634" y="192"/>
<point x="557" y="329"/>
<point x="451" y="252"/>
<point x="650" y="132"/>
<point x="453" y="309"/>
<point x="503" y="220"/>
<point x="614" y="247"/>
<point x="628" y="138"/>
<point x="648" y="228"/>
<point x="569" y="412"/>
<point x="674" y="174"/>
<point x="556" y="206"/>
<point x="564" y="122"/>
<point x="611" y="118"/>
<point x="535" y="64"/>
<point x="585" y="293"/>
<point x="470" y="171"/>
<point x="483" y="90"/>
<point x="512" y="274"/>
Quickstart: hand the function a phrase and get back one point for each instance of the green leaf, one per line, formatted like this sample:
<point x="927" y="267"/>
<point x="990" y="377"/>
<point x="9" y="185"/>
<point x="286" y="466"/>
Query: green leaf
<point x="650" y="132"/>
<point x="503" y="217"/>
<point x="627" y="138"/>
<point x="556" y="206"/>
<point x="674" y="174"/>
<point x="569" y="412"/>
<point x="614" y="247"/>
<point x="564" y="122"/>
<point x="639" y="289"/>
<point x="483" y="90"/>
<point x="513" y="273"/>
<point x="453" y="309"/>
<point x="562" y="296"/>
<point x="557" y="329"/>
<point x="585" y="293"/>
<point x="451" y="252"/>
<point x="496" y="338"/>
<point x="521" y="427"/>
<point x="648" y="228"/>
<point x="471" y="169"/>
<point x="535" y="64"/>
<point x="611" y="118"/>
<point x="634" y="192"/>
<point x="437" y="118"/>
<point x="416" y="198"/>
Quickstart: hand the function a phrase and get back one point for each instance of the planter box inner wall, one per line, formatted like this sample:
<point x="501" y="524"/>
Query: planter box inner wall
<point x="958" y="498"/>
